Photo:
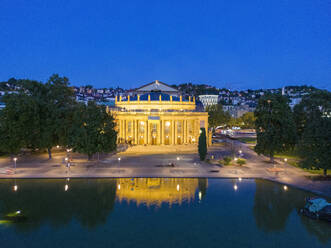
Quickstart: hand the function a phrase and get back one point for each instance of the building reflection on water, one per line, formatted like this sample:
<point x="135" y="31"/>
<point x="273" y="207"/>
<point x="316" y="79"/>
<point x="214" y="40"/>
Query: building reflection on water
<point x="156" y="191"/>
<point x="90" y="202"/>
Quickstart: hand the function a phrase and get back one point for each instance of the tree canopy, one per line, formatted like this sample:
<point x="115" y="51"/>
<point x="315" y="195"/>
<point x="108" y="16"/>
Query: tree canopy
<point x="313" y="121"/>
<point x="275" y="126"/>
<point x="217" y="116"/>
<point x="41" y="116"/>
<point x="92" y="130"/>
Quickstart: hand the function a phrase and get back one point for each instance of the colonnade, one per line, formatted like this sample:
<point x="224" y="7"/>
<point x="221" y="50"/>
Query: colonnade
<point x="158" y="132"/>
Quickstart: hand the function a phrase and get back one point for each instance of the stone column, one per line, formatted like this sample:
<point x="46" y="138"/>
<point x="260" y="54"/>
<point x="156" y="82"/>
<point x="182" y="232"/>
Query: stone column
<point x="124" y="129"/>
<point x="184" y="131"/>
<point x="163" y="132"/>
<point x="159" y="135"/>
<point x="172" y="132"/>
<point x="146" y="133"/>
<point x="121" y="130"/>
<point x="136" y="123"/>
<point x="176" y="133"/>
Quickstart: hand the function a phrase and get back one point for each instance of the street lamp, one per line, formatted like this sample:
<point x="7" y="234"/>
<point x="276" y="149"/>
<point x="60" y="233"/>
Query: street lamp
<point x="178" y="158"/>
<point x="285" y="160"/>
<point x="235" y="187"/>
<point x="119" y="161"/>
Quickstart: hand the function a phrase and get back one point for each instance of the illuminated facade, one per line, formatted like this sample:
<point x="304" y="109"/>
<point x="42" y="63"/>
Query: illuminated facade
<point x="158" y="118"/>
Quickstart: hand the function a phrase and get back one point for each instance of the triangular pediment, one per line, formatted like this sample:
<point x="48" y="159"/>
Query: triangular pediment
<point x="156" y="86"/>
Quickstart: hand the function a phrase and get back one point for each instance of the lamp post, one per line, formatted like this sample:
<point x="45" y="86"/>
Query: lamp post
<point x="15" y="159"/>
<point x="119" y="162"/>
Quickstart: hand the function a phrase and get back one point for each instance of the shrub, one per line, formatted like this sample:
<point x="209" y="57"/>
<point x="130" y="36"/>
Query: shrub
<point x="241" y="161"/>
<point x="202" y="148"/>
<point x="227" y="160"/>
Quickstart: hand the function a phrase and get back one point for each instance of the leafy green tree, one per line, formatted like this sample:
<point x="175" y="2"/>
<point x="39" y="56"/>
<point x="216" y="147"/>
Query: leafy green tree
<point x="202" y="144"/>
<point x="275" y="126"/>
<point x="217" y="116"/>
<point x="92" y="130"/>
<point x="247" y="120"/>
<point x="313" y="116"/>
<point x="19" y="121"/>
<point x="58" y="102"/>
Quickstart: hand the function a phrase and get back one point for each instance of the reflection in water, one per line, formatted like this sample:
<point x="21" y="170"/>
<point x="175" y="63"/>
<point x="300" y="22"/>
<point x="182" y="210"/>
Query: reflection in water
<point x="155" y="191"/>
<point x="50" y="201"/>
<point x="75" y="203"/>
<point x="58" y="202"/>
<point x="274" y="203"/>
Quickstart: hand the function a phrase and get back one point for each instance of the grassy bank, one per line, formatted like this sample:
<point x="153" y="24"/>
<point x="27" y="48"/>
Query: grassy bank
<point x="294" y="159"/>
<point x="247" y="140"/>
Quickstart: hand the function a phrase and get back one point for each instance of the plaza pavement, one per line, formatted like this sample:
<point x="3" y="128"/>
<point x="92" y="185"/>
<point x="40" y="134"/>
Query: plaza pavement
<point x="164" y="161"/>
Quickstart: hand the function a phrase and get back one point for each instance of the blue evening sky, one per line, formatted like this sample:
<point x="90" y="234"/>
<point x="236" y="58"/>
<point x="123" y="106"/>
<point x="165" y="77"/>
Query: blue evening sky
<point x="237" y="44"/>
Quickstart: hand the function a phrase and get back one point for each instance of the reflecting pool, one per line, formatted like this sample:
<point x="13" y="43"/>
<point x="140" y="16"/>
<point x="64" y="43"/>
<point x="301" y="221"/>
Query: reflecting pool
<point x="154" y="212"/>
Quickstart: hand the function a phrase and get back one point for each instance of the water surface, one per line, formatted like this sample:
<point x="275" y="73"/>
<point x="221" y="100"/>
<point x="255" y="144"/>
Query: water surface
<point x="153" y="212"/>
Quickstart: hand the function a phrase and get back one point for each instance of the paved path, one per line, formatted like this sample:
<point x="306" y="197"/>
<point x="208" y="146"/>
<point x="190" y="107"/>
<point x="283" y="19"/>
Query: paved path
<point x="186" y="164"/>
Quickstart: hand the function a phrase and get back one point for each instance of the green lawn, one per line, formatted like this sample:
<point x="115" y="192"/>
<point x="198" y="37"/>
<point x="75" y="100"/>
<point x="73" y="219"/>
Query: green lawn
<point x="294" y="159"/>
<point x="247" y="140"/>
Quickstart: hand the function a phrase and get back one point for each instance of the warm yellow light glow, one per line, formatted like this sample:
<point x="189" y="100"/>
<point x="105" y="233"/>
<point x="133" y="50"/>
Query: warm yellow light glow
<point x="177" y="187"/>
<point x="235" y="187"/>
<point x="66" y="187"/>
<point x="239" y="179"/>
<point x="119" y="187"/>
<point x="15" y="187"/>
<point x="66" y="159"/>
<point x="57" y="146"/>
<point x="15" y="159"/>
<point x="285" y="160"/>
<point x="119" y="159"/>
<point x="142" y="123"/>
<point x="167" y="123"/>
<point x="235" y="159"/>
<point x="200" y="195"/>
<point x="240" y="151"/>
<point x="178" y="158"/>
<point x="285" y="187"/>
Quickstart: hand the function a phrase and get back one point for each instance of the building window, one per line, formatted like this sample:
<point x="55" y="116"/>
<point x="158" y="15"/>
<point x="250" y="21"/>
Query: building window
<point x="154" y="127"/>
<point x="129" y="126"/>
<point x="167" y="128"/>
<point x="179" y="127"/>
<point x="141" y="127"/>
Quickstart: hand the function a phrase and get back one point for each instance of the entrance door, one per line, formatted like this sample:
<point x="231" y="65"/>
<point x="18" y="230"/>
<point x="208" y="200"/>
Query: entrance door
<point x="154" y="133"/>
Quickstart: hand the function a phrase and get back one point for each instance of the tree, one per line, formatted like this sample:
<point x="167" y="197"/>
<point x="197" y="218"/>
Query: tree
<point x="92" y="130"/>
<point x="275" y="126"/>
<point x="217" y="116"/>
<point x="37" y="115"/>
<point x="58" y="102"/>
<point x="313" y="117"/>
<point x="19" y="121"/>
<point x="247" y="120"/>
<point x="202" y="144"/>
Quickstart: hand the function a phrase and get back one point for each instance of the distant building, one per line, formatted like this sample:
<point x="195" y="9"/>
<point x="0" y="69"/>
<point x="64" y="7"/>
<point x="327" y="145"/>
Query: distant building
<point x="208" y="100"/>
<point x="237" y="111"/>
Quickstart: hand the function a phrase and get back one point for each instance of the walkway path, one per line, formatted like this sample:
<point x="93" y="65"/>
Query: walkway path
<point x="171" y="163"/>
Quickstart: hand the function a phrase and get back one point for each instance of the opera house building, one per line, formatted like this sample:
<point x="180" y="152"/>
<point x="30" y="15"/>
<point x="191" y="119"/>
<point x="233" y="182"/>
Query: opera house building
<point x="156" y="114"/>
